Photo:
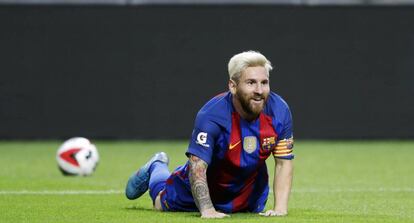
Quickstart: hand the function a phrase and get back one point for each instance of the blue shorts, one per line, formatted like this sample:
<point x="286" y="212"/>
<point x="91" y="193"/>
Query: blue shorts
<point x="176" y="195"/>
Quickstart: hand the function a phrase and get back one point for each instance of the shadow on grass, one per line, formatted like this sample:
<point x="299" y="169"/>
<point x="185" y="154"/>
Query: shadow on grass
<point x="295" y="215"/>
<point x="146" y="211"/>
<point x="193" y="216"/>
<point x="139" y="208"/>
<point x="334" y="216"/>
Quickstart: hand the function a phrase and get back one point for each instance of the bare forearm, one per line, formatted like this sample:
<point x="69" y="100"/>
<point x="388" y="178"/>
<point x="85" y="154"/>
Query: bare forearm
<point x="282" y="184"/>
<point x="198" y="182"/>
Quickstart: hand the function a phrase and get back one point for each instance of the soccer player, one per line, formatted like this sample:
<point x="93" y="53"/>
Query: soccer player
<point x="234" y="133"/>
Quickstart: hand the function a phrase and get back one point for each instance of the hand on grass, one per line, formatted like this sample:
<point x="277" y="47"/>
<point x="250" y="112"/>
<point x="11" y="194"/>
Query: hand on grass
<point x="271" y="213"/>
<point x="212" y="213"/>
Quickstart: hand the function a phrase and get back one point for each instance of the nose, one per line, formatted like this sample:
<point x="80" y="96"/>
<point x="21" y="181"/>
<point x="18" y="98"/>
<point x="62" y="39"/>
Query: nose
<point x="258" y="89"/>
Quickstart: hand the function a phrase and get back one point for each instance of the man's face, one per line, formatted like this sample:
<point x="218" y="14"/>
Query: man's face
<point x="252" y="90"/>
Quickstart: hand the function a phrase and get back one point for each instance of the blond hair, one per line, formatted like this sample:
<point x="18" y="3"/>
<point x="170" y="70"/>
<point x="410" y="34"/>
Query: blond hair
<point x="241" y="61"/>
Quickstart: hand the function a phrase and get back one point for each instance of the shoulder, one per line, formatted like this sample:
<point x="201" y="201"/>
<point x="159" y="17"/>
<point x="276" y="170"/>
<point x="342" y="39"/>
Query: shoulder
<point x="215" y="112"/>
<point x="276" y="103"/>
<point x="278" y="109"/>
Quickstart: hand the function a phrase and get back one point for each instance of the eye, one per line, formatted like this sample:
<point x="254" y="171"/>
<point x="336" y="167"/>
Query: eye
<point x="250" y="82"/>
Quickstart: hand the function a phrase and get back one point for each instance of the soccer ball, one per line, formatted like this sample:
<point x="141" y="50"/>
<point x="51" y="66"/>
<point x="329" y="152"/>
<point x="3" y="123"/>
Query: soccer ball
<point x="77" y="156"/>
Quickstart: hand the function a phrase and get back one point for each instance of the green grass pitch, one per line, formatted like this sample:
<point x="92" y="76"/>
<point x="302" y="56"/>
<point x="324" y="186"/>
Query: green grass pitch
<point x="334" y="181"/>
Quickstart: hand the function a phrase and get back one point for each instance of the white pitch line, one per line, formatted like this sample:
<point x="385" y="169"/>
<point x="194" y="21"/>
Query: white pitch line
<point x="104" y="192"/>
<point x="60" y="192"/>
<point x="352" y="190"/>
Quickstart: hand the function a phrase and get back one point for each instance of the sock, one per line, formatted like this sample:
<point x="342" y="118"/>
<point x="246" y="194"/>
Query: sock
<point x="159" y="174"/>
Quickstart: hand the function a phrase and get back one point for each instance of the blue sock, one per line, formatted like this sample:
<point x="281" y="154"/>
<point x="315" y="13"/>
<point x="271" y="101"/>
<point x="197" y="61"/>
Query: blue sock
<point x="159" y="174"/>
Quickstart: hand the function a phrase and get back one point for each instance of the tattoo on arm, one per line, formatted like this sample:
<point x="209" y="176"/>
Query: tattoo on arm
<point x="198" y="182"/>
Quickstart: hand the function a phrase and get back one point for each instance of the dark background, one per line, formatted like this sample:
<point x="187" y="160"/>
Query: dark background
<point x="142" y="72"/>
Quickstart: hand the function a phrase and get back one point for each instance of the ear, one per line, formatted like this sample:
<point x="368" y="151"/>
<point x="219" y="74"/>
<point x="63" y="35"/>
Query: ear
<point x="232" y="86"/>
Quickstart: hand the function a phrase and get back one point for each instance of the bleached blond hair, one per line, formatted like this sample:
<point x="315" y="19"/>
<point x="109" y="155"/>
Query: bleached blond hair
<point x="241" y="61"/>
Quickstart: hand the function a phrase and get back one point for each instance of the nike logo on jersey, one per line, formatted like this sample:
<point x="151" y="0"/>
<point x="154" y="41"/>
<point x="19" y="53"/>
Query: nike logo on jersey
<point x="231" y="146"/>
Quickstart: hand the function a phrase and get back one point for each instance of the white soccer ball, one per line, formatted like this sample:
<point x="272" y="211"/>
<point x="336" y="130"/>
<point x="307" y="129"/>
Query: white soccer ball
<point x="77" y="156"/>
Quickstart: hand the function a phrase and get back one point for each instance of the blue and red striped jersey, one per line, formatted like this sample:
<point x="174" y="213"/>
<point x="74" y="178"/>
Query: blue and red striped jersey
<point x="235" y="151"/>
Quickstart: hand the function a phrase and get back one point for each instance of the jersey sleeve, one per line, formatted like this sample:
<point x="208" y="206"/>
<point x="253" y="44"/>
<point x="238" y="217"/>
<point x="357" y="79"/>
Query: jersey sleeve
<point x="284" y="145"/>
<point x="203" y="139"/>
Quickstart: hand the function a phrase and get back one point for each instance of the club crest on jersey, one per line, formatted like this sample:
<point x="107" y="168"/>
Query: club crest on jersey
<point x="249" y="144"/>
<point x="268" y="143"/>
<point x="202" y="139"/>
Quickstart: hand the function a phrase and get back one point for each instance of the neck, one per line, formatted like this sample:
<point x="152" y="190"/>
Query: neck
<point x="239" y="109"/>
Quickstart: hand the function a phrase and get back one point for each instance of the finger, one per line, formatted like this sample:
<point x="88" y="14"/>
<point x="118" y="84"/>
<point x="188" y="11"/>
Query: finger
<point x="226" y="215"/>
<point x="269" y="213"/>
<point x="222" y="215"/>
<point x="216" y="215"/>
<point x="208" y="216"/>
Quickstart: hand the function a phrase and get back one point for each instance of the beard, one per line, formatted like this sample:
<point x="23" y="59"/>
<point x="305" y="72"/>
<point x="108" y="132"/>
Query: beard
<point x="249" y="106"/>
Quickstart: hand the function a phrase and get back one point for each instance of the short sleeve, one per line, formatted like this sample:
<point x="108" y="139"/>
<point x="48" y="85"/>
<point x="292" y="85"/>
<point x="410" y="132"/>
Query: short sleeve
<point x="284" y="145"/>
<point x="203" y="139"/>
